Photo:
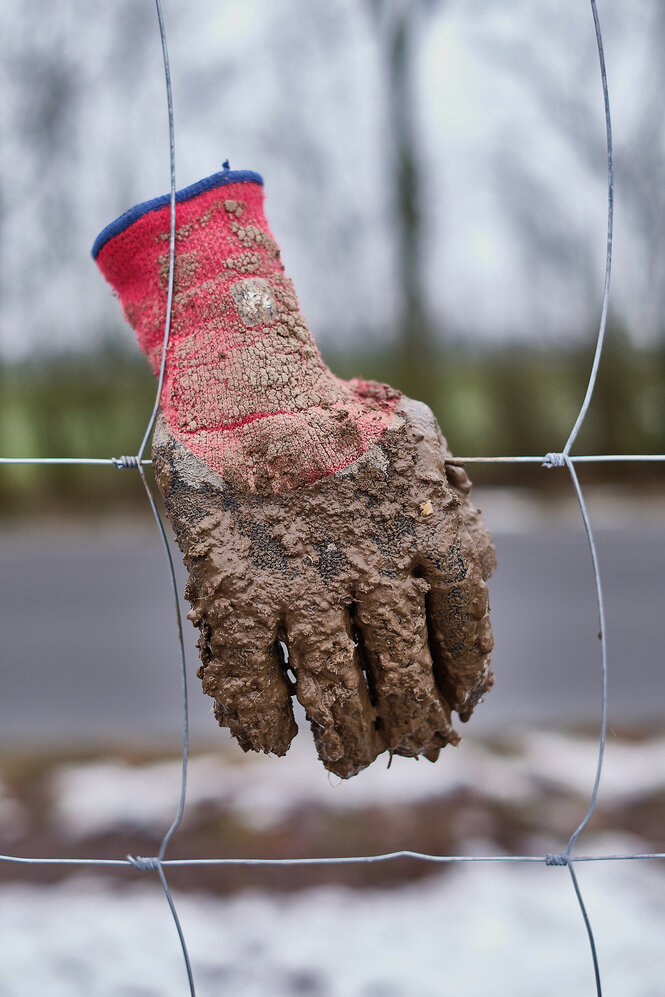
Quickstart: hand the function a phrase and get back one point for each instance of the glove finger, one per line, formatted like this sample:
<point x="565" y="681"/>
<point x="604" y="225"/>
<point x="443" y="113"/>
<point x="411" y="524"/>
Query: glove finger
<point x="242" y="669"/>
<point x="459" y="482"/>
<point x="332" y="688"/>
<point x="434" y="452"/>
<point x="392" y="622"/>
<point x="459" y="626"/>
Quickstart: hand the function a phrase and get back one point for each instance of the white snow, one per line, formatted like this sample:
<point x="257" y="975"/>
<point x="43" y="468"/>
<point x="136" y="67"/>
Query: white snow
<point x="491" y="929"/>
<point x="93" y="797"/>
<point x="478" y="929"/>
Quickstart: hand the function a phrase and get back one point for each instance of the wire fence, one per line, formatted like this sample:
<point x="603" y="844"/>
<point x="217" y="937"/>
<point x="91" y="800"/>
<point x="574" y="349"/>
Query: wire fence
<point x="159" y="863"/>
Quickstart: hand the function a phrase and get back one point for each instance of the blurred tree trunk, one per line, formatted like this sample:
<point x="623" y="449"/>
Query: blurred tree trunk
<point x="398" y="31"/>
<point x="574" y="109"/>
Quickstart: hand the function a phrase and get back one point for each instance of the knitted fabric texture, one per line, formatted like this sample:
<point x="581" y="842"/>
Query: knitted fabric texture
<point x="245" y="387"/>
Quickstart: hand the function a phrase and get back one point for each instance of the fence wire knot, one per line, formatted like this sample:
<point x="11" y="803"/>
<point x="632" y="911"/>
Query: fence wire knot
<point x="553" y="859"/>
<point x="144" y="862"/>
<point x="122" y="463"/>
<point x="554" y="460"/>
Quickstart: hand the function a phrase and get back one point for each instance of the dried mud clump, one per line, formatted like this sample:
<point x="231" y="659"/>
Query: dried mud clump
<point x="372" y="578"/>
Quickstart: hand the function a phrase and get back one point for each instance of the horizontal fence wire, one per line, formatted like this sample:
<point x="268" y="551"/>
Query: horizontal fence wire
<point x="547" y="460"/>
<point x="142" y="862"/>
<point x="159" y="863"/>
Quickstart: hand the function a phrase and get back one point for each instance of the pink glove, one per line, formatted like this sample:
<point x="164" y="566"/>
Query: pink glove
<point x="310" y="511"/>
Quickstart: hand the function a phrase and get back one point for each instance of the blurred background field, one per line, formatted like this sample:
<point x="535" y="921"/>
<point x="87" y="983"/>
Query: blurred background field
<point x="435" y="175"/>
<point x="498" y="401"/>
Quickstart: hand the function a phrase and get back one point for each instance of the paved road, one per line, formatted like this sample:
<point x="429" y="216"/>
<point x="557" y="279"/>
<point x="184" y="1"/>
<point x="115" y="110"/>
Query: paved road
<point x="87" y="636"/>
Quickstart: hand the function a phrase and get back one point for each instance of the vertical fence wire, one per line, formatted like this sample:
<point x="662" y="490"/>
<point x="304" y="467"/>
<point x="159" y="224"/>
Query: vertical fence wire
<point x="610" y="230"/>
<point x="580" y="497"/>
<point x="175" y="824"/>
<point x="563" y="459"/>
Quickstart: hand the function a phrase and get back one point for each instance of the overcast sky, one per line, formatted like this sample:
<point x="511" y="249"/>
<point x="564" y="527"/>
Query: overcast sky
<point x="510" y="136"/>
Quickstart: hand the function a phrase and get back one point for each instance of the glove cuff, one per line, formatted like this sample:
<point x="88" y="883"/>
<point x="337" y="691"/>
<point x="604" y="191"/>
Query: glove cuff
<point x="245" y="387"/>
<point x="133" y="251"/>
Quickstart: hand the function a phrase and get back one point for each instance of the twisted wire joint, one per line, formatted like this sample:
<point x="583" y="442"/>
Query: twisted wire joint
<point x="554" y="460"/>
<point x="554" y="859"/>
<point x="144" y="863"/>
<point x="123" y="463"/>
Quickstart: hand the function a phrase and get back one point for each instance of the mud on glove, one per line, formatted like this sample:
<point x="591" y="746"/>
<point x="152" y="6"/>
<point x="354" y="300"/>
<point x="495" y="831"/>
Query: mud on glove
<point x="312" y="513"/>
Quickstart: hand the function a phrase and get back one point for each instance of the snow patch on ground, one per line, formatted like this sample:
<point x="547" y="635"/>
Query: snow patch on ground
<point x="92" y="798"/>
<point x="479" y="930"/>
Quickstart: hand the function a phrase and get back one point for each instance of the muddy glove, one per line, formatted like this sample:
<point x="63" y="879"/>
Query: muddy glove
<point x="332" y="554"/>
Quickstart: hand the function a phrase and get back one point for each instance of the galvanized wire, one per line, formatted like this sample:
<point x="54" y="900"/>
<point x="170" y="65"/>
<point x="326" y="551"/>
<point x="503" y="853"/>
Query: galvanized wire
<point x="610" y="228"/>
<point x="149" y="862"/>
<point x="138" y="463"/>
<point x="546" y="460"/>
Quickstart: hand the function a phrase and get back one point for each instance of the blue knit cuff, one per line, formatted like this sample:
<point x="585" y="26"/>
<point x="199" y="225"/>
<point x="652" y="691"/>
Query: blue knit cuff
<point x="209" y="183"/>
